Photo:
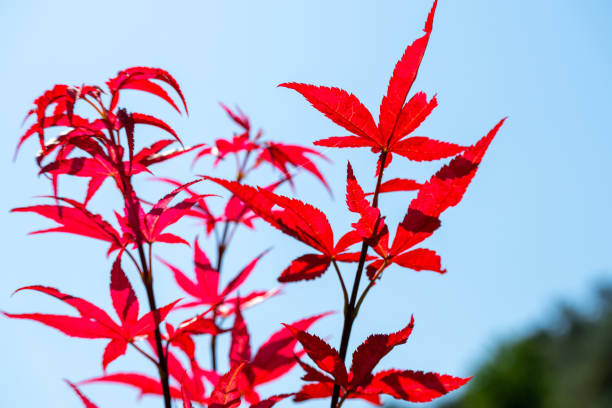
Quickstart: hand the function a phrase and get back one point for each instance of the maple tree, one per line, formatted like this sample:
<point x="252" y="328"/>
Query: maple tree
<point x="103" y="147"/>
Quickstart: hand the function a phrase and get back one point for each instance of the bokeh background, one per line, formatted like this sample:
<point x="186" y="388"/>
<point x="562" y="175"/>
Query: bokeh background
<point x="533" y="229"/>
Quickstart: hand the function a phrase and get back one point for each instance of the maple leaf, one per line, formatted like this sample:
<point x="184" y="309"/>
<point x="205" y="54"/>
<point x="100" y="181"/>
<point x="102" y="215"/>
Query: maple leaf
<point x="397" y="118"/>
<point x="94" y="322"/>
<point x="280" y="155"/>
<point x="360" y="382"/>
<point x="223" y="147"/>
<point x="200" y="209"/>
<point x="370" y="352"/>
<point x="90" y="136"/>
<point x="299" y="220"/>
<point x="205" y="288"/>
<point x="150" y="226"/>
<point x="240" y="143"/>
<point x="324" y="356"/>
<point x="140" y="78"/>
<point x="273" y="359"/>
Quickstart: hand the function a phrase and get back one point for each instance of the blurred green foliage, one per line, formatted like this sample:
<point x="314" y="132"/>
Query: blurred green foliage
<point x="567" y="366"/>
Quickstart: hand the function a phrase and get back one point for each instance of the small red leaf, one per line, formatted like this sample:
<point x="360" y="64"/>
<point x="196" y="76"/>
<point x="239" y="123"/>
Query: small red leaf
<point x="368" y="354"/>
<point x="305" y="267"/>
<point x="276" y="356"/>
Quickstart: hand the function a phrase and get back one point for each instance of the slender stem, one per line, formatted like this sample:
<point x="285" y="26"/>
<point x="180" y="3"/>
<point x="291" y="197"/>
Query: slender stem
<point x="344" y="397"/>
<point x="344" y="291"/>
<point x="233" y="230"/>
<point x="163" y="361"/>
<point x="95" y="107"/>
<point x="221" y="252"/>
<point x="136" y="264"/>
<point x="144" y="353"/>
<point x="222" y="246"/>
<point x="213" y="344"/>
<point x="150" y="259"/>
<point x="349" y="312"/>
<point x="367" y="289"/>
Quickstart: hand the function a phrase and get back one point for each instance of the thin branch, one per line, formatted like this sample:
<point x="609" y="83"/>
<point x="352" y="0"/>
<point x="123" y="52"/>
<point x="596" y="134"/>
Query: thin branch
<point x="144" y="353"/>
<point x="376" y="275"/>
<point x="344" y="291"/>
<point x="348" y="315"/>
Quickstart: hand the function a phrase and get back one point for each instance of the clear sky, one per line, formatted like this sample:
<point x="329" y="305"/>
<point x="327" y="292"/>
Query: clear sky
<point x="534" y="227"/>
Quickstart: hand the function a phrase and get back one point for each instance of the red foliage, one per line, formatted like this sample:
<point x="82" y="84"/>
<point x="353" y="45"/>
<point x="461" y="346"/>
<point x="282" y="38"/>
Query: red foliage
<point x="105" y="147"/>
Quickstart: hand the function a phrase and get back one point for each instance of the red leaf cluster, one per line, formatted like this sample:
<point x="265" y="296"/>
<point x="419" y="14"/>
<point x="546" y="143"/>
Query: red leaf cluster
<point x="106" y="146"/>
<point x="360" y="382"/>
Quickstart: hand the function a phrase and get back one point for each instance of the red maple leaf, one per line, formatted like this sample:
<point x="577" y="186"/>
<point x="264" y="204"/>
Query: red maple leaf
<point x="95" y="323"/>
<point x="443" y="190"/>
<point x="273" y="359"/>
<point x="300" y="221"/>
<point x="205" y="288"/>
<point x="150" y="226"/>
<point x="398" y="118"/>
<point x="140" y="78"/>
<point x="360" y="382"/>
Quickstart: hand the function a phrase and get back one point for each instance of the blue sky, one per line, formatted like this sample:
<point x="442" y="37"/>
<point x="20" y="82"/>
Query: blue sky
<point x="533" y="228"/>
